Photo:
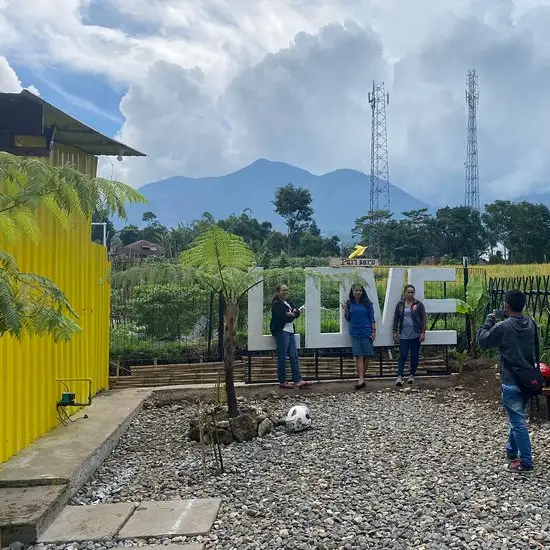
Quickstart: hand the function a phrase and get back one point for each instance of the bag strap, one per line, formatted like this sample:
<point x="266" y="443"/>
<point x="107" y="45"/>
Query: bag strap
<point x="537" y="345"/>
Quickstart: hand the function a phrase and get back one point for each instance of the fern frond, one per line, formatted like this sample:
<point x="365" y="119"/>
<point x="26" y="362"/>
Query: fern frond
<point x="217" y="249"/>
<point x="31" y="304"/>
<point x="8" y="228"/>
<point x="29" y="183"/>
<point x="221" y="260"/>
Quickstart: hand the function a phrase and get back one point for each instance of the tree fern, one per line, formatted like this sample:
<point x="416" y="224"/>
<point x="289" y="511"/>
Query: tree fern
<point x="31" y="304"/>
<point x="224" y="264"/>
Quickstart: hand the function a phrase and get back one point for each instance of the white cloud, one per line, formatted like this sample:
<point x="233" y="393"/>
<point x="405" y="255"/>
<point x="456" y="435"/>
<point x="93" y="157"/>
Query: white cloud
<point x="9" y="82"/>
<point x="214" y="84"/>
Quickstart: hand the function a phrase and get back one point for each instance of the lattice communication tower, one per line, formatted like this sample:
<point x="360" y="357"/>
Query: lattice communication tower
<point x="379" y="164"/>
<point x="472" y="160"/>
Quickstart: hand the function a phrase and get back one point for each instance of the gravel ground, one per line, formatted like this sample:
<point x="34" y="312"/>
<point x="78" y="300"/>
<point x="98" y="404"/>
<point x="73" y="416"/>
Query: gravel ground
<point x="392" y="469"/>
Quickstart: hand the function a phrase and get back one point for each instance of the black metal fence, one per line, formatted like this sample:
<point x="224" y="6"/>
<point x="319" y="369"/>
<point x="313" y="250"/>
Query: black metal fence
<point x="159" y="316"/>
<point x="164" y="324"/>
<point x="537" y="294"/>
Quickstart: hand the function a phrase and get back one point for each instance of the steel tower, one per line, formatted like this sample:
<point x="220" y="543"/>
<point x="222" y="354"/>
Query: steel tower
<point x="472" y="160"/>
<point x="379" y="165"/>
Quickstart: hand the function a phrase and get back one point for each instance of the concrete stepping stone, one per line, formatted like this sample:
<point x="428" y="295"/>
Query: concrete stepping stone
<point x="88" y="523"/>
<point x="174" y="517"/>
<point x="26" y="512"/>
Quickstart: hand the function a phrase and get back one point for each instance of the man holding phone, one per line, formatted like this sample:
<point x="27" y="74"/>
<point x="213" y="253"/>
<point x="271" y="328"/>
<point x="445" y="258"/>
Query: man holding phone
<point x="517" y="341"/>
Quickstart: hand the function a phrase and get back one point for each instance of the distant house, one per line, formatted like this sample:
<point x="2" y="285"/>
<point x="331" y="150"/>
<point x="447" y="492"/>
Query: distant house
<point x="139" y="249"/>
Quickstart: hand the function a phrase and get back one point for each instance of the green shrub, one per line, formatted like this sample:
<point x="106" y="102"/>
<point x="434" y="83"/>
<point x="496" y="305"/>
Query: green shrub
<point x="168" y="311"/>
<point x="146" y="351"/>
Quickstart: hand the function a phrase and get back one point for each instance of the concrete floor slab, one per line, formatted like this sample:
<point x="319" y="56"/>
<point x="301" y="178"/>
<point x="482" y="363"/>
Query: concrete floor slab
<point x="25" y="512"/>
<point x="174" y="517"/>
<point x="88" y="523"/>
<point x="70" y="454"/>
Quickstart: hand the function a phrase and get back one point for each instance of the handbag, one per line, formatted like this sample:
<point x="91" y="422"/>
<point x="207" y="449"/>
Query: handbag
<point x="530" y="381"/>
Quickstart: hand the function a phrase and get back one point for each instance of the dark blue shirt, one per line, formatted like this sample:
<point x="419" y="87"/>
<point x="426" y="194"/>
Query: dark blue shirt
<point x="361" y="318"/>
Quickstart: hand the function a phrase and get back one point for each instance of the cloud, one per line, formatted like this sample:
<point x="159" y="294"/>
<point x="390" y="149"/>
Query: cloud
<point x="169" y="116"/>
<point x="214" y="84"/>
<point x="303" y="100"/>
<point x="429" y="118"/>
<point x="307" y="104"/>
<point x="82" y="103"/>
<point x="9" y="82"/>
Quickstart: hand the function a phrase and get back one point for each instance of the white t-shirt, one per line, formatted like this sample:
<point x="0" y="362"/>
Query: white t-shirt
<point x="289" y="327"/>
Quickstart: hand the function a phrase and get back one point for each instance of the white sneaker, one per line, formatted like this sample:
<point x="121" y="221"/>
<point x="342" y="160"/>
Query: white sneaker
<point x="411" y="379"/>
<point x="399" y="381"/>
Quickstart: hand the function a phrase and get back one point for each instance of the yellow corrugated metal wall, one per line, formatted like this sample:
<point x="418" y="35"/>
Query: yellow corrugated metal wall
<point x="29" y="369"/>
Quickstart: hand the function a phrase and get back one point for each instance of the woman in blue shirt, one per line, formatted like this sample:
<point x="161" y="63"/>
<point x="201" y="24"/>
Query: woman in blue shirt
<point x="359" y="311"/>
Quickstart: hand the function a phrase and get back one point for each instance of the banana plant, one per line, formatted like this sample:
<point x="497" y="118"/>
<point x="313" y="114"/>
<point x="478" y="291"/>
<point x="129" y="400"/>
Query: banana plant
<point x="474" y="307"/>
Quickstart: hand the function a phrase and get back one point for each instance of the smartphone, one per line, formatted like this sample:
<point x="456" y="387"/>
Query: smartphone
<point x="500" y="314"/>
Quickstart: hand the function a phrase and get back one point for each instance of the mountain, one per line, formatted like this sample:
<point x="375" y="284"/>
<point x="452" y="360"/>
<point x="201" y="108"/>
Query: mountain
<point x="339" y="197"/>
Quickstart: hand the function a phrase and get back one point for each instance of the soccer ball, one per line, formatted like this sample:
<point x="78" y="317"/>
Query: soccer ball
<point x="298" y="418"/>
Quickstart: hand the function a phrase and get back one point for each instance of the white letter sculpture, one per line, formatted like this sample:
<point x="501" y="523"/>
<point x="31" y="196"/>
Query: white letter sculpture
<point x="315" y="339"/>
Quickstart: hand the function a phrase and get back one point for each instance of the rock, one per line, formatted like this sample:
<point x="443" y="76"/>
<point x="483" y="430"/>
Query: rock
<point x="16" y="546"/>
<point x="244" y="427"/>
<point x="194" y="433"/>
<point x="265" y="427"/>
<point x="225" y="437"/>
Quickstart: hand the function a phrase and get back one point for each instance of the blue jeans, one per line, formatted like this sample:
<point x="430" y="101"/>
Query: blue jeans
<point x="407" y="346"/>
<point x="286" y="345"/>
<point x="516" y="405"/>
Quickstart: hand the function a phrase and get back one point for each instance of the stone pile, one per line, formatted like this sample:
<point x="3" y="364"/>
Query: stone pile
<point x="252" y="422"/>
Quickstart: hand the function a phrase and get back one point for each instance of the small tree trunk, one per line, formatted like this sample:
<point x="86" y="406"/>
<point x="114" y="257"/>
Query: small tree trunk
<point x="475" y="350"/>
<point x="229" y="343"/>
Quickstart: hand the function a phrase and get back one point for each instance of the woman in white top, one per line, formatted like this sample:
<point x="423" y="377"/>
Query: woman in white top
<point x="283" y="314"/>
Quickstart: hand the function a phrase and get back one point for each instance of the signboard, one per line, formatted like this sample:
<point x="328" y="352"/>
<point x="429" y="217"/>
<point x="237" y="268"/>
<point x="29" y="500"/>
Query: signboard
<point x="354" y="262"/>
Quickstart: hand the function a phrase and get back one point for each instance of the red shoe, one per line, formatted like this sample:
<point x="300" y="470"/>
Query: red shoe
<point x="516" y="467"/>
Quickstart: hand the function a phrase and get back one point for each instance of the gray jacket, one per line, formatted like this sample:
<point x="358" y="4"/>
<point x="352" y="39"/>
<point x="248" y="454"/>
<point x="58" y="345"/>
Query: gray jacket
<point x="515" y="338"/>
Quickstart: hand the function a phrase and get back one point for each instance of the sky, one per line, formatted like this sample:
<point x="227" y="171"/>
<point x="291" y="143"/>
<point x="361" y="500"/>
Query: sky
<point x="205" y="87"/>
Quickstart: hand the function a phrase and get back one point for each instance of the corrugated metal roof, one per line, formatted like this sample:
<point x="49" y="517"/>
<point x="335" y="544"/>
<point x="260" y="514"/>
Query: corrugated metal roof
<point x="70" y="131"/>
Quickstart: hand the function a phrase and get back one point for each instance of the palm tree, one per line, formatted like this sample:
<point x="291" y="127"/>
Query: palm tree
<point x="30" y="303"/>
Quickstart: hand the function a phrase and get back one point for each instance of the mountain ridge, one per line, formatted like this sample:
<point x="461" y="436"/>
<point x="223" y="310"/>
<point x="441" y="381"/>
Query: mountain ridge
<point x="335" y="196"/>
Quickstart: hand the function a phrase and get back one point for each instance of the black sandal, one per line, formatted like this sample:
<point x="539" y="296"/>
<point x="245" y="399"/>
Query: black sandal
<point x="360" y="386"/>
